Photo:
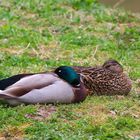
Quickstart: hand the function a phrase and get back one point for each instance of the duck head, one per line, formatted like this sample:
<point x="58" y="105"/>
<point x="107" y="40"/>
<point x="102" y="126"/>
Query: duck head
<point x="68" y="74"/>
<point x="113" y="65"/>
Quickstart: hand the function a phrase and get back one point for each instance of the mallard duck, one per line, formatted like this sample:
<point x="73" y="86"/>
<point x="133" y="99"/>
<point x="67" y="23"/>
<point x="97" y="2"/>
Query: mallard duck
<point x="62" y="86"/>
<point x="107" y="79"/>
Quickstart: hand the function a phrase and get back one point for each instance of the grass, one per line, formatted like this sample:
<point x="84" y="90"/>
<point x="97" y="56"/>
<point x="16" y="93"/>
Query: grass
<point x="37" y="35"/>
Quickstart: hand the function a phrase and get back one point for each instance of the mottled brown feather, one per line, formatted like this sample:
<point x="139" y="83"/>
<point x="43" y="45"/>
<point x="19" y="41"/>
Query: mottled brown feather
<point x="107" y="79"/>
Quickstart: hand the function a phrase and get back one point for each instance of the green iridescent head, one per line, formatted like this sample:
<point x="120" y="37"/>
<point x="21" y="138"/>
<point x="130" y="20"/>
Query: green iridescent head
<point x="68" y="74"/>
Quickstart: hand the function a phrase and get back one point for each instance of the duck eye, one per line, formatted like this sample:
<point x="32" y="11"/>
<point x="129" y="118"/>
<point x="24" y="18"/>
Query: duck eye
<point x="59" y="71"/>
<point x="107" y="66"/>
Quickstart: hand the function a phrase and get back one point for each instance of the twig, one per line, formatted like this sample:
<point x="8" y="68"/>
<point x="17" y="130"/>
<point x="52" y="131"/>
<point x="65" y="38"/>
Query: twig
<point x="118" y="3"/>
<point x="95" y="51"/>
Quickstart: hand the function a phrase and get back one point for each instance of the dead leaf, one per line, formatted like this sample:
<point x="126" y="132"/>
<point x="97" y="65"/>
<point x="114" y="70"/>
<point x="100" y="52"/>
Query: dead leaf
<point x="42" y="113"/>
<point x="112" y="113"/>
<point x="120" y="97"/>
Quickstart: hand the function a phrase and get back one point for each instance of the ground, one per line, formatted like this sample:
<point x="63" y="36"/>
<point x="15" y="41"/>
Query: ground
<point x="39" y="35"/>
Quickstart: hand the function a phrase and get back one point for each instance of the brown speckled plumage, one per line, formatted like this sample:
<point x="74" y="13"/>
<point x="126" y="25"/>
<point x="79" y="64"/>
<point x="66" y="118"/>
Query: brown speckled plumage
<point x="107" y="79"/>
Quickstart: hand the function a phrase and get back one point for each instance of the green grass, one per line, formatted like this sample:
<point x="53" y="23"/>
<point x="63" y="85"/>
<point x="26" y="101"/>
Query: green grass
<point x="37" y="35"/>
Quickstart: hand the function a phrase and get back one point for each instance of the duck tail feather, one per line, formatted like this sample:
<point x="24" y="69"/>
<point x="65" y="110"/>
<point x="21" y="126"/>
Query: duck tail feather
<point x="3" y="95"/>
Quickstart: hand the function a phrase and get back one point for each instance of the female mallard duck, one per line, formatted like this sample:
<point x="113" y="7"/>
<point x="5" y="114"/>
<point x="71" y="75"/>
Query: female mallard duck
<point x="108" y="79"/>
<point x="62" y="86"/>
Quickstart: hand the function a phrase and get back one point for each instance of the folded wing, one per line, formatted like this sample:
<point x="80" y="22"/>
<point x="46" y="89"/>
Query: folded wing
<point x="28" y="83"/>
<point x="4" y="83"/>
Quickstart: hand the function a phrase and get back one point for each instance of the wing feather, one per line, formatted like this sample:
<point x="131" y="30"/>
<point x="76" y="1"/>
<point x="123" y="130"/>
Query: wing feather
<point x="4" y="83"/>
<point x="29" y="83"/>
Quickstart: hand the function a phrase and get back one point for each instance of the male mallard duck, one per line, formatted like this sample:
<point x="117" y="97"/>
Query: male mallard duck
<point x="108" y="79"/>
<point x="62" y="86"/>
